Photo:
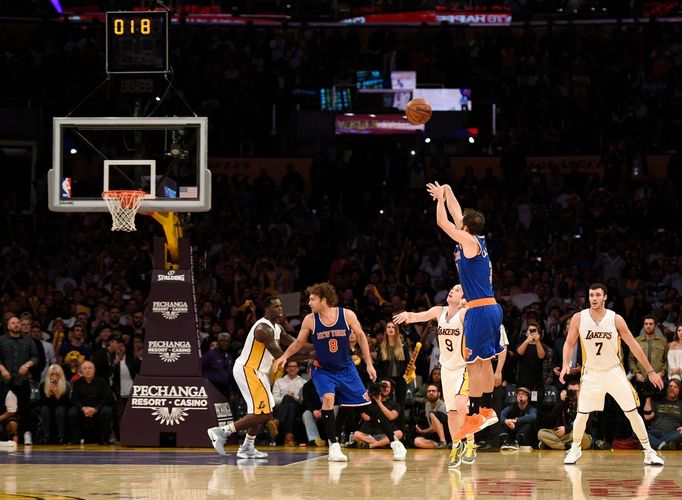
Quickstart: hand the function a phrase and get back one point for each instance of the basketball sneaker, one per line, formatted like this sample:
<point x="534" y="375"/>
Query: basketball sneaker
<point x="574" y="453"/>
<point x="335" y="454"/>
<point x="250" y="451"/>
<point x="456" y="454"/>
<point x="218" y="437"/>
<point x="472" y="425"/>
<point x="8" y="445"/>
<point x="652" y="458"/>
<point x="489" y="415"/>
<point x="469" y="456"/>
<point x="399" y="451"/>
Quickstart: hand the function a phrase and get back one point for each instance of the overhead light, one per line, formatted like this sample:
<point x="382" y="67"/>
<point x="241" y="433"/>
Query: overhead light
<point x="427" y="140"/>
<point x="413" y="152"/>
<point x="157" y="98"/>
<point x="73" y="151"/>
<point x="471" y="140"/>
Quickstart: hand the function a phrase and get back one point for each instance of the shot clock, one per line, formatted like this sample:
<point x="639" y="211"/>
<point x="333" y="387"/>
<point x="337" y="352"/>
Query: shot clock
<point x="137" y="42"/>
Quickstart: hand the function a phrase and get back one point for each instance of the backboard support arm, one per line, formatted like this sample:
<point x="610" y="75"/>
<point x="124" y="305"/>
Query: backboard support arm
<point x="170" y="222"/>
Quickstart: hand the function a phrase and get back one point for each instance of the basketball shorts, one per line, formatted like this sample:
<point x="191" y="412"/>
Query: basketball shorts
<point x="255" y="388"/>
<point x="344" y="383"/>
<point x="594" y="385"/>
<point x="455" y="383"/>
<point x="482" y="332"/>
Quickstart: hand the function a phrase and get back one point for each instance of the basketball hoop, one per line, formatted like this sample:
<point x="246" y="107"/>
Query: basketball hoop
<point x="123" y="205"/>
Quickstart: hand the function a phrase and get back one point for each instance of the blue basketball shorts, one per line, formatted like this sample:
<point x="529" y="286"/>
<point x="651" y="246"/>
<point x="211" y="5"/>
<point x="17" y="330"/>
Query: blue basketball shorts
<point x="345" y="384"/>
<point x="482" y="332"/>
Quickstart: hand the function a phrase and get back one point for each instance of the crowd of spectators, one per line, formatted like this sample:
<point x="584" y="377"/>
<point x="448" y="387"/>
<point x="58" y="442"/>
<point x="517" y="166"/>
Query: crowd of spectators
<point x="368" y="227"/>
<point x="83" y="298"/>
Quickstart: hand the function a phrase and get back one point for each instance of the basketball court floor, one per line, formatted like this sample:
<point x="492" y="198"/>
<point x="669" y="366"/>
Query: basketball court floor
<point x="92" y="472"/>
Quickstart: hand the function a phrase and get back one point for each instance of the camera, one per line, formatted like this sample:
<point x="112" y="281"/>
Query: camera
<point x="374" y="389"/>
<point x="646" y="389"/>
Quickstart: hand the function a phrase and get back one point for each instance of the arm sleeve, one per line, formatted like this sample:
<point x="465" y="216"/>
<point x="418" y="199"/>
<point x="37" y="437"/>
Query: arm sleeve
<point x="504" y="414"/>
<point x="34" y="351"/>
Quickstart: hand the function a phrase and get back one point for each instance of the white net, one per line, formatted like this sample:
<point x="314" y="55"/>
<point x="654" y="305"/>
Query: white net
<point x="123" y="206"/>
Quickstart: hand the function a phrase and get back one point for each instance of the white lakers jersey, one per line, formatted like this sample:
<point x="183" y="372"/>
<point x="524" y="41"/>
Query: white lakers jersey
<point x="600" y="342"/>
<point x="255" y="355"/>
<point x="451" y="340"/>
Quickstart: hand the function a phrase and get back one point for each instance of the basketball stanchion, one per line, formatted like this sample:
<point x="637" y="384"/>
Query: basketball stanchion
<point x="123" y="205"/>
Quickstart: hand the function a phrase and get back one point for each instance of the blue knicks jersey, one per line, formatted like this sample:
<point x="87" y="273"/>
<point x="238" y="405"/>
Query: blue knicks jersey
<point x="331" y="343"/>
<point x="476" y="273"/>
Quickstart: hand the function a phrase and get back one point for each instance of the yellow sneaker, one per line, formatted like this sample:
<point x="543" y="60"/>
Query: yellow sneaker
<point x="456" y="454"/>
<point x="469" y="456"/>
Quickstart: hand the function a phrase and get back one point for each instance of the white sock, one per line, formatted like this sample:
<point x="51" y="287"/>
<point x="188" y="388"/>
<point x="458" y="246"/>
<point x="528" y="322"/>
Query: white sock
<point x="639" y="429"/>
<point x="230" y="428"/>
<point x="249" y="441"/>
<point x="579" y="428"/>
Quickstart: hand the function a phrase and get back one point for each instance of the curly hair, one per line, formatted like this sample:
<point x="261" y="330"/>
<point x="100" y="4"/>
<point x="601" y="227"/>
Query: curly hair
<point x="324" y="291"/>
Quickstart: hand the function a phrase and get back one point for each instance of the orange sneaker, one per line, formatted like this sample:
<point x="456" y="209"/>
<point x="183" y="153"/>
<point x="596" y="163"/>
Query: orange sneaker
<point x="489" y="415"/>
<point x="472" y="424"/>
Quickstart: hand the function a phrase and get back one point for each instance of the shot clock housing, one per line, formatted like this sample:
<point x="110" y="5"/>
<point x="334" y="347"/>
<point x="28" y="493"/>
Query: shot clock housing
<point x="137" y="42"/>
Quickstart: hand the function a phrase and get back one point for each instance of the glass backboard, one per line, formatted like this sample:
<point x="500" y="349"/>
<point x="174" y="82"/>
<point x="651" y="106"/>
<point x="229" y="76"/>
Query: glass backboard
<point x="165" y="157"/>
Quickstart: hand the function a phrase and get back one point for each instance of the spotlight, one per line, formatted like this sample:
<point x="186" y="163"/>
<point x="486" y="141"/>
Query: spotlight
<point x="413" y="152"/>
<point x="427" y="140"/>
<point x="471" y="140"/>
<point x="73" y="151"/>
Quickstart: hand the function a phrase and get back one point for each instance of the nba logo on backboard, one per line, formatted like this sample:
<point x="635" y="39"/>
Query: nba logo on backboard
<point x="66" y="188"/>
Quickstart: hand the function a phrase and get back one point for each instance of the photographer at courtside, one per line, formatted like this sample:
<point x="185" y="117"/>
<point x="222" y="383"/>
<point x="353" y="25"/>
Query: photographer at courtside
<point x="560" y="436"/>
<point x="370" y="432"/>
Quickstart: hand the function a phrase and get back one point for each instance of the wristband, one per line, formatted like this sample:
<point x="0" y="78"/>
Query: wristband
<point x="647" y="412"/>
<point x="651" y="371"/>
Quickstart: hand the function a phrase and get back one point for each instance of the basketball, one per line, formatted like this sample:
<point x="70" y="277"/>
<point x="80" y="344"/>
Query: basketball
<point x="418" y="111"/>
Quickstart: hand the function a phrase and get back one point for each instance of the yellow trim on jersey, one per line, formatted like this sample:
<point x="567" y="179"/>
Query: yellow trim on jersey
<point x="634" y="393"/>
<point x="256" y="355"/>
<point x="258" y="392"/>
<point x="464" y="390"/>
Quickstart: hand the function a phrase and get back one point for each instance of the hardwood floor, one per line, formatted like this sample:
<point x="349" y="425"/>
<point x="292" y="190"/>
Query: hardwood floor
<point x="93" y="472"/>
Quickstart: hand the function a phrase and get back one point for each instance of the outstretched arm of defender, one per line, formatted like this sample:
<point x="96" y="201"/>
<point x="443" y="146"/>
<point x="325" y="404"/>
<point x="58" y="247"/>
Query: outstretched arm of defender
<point x="354" y="324"/>
<point x="636" y="349"/>
<point x="285" y="340"/>
<point x="418" y="317"/>
<point x="569" y="345"/>
<point x="296" y="345"/>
